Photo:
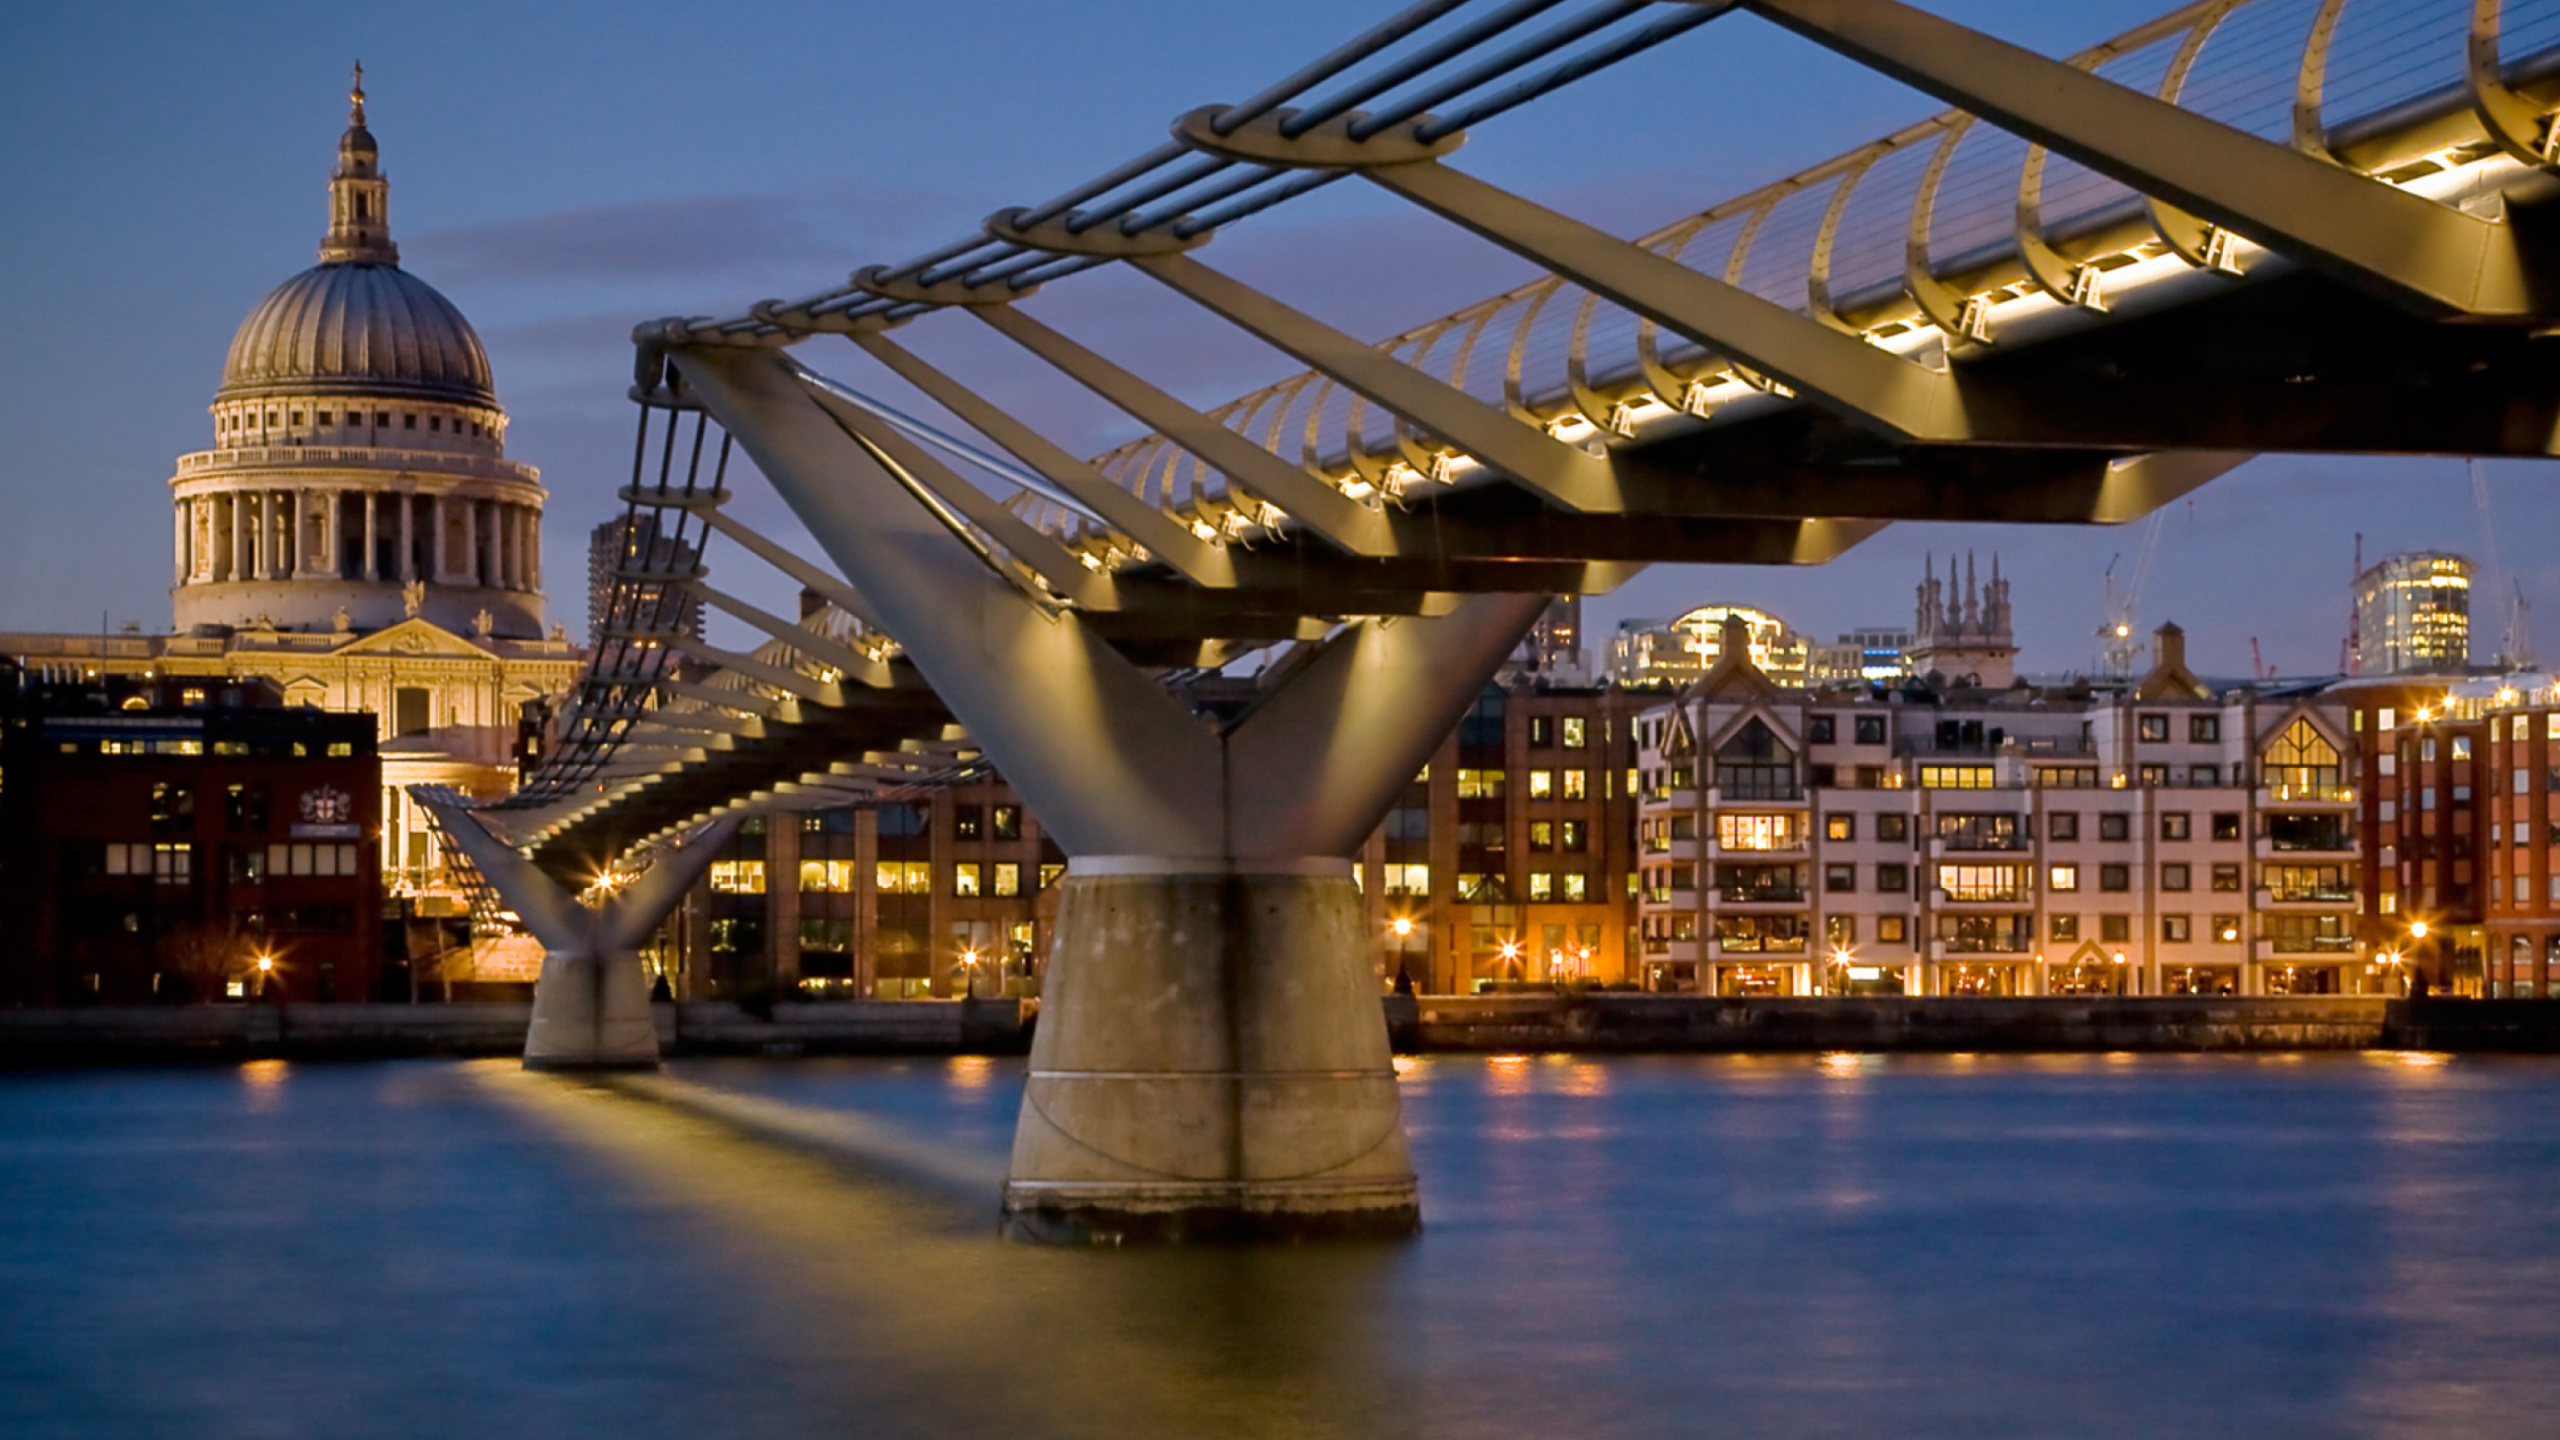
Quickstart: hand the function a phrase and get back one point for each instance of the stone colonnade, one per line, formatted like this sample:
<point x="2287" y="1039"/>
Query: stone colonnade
<point x="283" y="533"/>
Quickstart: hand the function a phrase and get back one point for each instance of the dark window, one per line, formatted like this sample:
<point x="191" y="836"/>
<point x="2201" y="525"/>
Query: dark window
<point x="1008" y="822"/>
<point x="2062" y="825"/>
<point x="1542" y="730"/>
<point x="1820" y="730"/>
<point x="1893" y="827"/>
<point x="2176" y="877"/>
<point x="1575" y="841"/>
<point x="173" y="808"/>
<point x="2226" y="824"/>
<point x="1753" y="765"/>
<point x="409" y="714"/>
<point x="2173" y="825"/>
<point x="2176" y="929"/>
<point x="2226" y="877"/>
<point x="968" y="822"/>
<point x="2115" y="825"/>
<point x="2115" y="929"/>
<point x="1980" y="832"/>
<point x="2204" y="729"/>
<point x="382" y="418"/>
<point x="2115" y="877"/>
<point x="408" y="422"/>
<point x="244" y="806"/>
<point x="904" y="821"/>
<point x="1893" y="879"/>
<point x="2066" y="927"/>
<point x="1822" y="777"/>
<point x="1870" y="729"/>
<point x="1840" y="879"/>
<point x="2155" y="728"/>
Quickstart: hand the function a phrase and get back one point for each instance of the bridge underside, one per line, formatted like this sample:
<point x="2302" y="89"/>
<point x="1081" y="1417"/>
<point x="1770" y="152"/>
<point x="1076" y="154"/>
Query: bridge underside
<point x="1210" y="1057"/>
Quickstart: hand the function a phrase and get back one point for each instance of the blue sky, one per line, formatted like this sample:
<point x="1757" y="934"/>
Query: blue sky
<point x="563" y="170"/>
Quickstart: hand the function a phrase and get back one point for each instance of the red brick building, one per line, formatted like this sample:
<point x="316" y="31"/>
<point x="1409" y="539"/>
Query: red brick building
<point x="158" y="850"/>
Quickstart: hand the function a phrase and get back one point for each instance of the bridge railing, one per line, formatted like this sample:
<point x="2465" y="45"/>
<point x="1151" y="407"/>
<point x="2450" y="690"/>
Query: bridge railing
<point x="2377" y="85"/>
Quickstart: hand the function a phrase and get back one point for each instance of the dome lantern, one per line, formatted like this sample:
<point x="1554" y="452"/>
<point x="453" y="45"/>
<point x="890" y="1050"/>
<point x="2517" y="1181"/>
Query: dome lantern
<point x="359" y="196"/>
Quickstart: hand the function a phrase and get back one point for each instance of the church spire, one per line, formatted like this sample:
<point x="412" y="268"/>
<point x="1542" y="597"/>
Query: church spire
<point x="359" y="198"/>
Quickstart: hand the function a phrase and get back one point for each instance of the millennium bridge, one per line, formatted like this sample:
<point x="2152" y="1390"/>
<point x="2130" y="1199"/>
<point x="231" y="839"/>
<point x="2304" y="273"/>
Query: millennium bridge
<point x="2088" y="286"/>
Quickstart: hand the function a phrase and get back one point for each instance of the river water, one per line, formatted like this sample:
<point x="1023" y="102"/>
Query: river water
<point x="1799" y="1246"/>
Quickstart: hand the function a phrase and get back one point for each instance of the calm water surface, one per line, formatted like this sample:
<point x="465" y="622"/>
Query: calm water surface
<point x="2081" y="1246"/>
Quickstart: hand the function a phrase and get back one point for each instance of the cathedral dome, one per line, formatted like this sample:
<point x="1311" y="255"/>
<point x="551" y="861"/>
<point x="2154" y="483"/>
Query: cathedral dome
<point x="357" y="327"/>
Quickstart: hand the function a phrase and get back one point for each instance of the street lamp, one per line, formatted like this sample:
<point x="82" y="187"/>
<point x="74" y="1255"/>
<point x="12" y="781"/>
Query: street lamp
<point x="969" y="971"/>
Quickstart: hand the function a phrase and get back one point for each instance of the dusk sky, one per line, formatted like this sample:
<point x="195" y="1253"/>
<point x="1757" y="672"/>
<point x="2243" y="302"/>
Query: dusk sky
<point x="560" y="171"/>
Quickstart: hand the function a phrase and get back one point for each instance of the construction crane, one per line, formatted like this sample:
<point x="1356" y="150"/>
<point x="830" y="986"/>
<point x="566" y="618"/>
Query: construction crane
<point x="2259" y="669"/>
<point x="2115" y="638"/>
<point x="2515" y="645"/>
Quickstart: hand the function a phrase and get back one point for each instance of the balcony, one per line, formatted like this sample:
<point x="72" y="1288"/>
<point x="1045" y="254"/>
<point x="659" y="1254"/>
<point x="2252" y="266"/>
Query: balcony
<point x="1790" y="793"/>
<point x="2306" y="796"/>
<point x="1979" y="948"/>
<point x="1798" y="845"/>
<point x="1761" y="897"/>
<point x="2300" y="950"/>
<point x="2268" y="847"/>
<point x="1753" y="947"/>
<point x="206" y="463"/>
<point x="1981" y="900"/>
<point x="2328" y="896"/>
<point x="1683" y="848"/>
<point x="1979" y="845"/>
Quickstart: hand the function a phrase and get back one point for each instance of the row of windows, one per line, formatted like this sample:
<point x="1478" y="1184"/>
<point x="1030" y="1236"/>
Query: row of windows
<point x="235" y="424"/>
<point x="2001" y="830"/>
<point x="1998" y="883"/>
<point x="297" y="749"/>
<point x="969" y="878"/>
<point x="174" y="862"/>
<point x="1543" y="784"/>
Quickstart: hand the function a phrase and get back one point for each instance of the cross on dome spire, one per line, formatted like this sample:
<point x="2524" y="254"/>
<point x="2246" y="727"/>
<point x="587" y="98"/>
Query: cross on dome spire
<point x="359" y="196"/>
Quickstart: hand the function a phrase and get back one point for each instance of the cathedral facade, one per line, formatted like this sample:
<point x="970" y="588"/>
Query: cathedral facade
<point x="355" y="535"/>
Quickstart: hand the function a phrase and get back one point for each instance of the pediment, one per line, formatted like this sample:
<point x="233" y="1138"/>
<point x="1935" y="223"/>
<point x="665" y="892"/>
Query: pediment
<point x="416" y="638"/>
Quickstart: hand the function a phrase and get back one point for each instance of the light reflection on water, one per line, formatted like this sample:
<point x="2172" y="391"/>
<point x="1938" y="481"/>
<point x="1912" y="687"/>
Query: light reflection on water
<point x="1841" y="1244"/>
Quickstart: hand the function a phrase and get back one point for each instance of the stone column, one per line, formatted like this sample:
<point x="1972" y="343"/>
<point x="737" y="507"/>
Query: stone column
<point x="408" y="566"/>
<point x="532" y="548"/>
<point x="239" y="546"/>
<point x="178" y="544"/>
<point x="439" y="563"/>
<point x="372" y="567"/>
<point x="261" y="560"/>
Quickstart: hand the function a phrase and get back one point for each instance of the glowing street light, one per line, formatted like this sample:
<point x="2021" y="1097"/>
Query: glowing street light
<point x="1402" y="925"/>
<point x="2417" y="929"/>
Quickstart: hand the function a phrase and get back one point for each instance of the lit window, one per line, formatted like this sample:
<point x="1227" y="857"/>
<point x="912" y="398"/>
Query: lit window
<point x="1982" y="883"/>
<point x="1408" y="880"/>
<point x="738" y="877"/>
<point x="1575" y="886"/>
<point x="1542" y="886"/>
<point x="2063" y="879"/>
<point x="1575" y="784"/>
<point x="964" y="878"/>
<point x="1575" y="734"/>
<point x="826" y="877"/>
<point x="1008" y="879"/>
<point x="1839" y="827"/>
<point x="1956" y="777"/>
<point x="1542" y="784"/>
<point x="1759" y="832"/>
<point x="1480" y="784"/>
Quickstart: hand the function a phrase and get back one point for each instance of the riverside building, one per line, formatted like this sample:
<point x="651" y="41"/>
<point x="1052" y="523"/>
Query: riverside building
<point x="160" y="842"/>
<point x="2013" y="841"/>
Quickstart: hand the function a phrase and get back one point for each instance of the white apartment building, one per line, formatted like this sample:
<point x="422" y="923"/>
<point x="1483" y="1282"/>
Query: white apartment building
<point x="2157" y="840"/>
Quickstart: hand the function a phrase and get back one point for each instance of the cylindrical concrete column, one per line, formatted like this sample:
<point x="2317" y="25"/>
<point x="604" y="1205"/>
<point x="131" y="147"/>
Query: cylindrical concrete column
<point x="439" y="552"/>
<point x="261" y="546"/>
<point x="372" y="567"/>
<point x="408" y="537"/>
<point x="1211" y="1062"/>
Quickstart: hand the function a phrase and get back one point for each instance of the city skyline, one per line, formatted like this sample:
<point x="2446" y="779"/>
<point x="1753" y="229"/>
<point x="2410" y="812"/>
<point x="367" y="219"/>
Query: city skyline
<point x="557" y="203"/>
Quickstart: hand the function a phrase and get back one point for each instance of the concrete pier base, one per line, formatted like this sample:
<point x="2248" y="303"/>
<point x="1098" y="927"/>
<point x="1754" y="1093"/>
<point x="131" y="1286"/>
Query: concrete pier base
<point x="1211" y="1063"/>
<point x="591" y="1012"/>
